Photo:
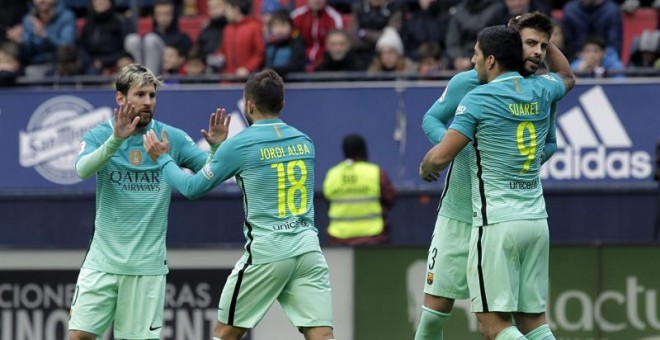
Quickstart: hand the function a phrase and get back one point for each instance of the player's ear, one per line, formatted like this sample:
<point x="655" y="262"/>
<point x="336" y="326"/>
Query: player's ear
<point x="120" y="98"/>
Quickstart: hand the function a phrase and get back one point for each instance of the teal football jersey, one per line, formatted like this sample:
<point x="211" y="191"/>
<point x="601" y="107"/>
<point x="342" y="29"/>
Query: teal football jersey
<point x="132" y="201"/>
<point x="456" y="197"/>
<point x="274" y="166"/>
<point x="508" y="121"/>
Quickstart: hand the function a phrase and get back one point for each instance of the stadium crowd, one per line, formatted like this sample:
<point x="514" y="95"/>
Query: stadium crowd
<point x="233" y="38"/>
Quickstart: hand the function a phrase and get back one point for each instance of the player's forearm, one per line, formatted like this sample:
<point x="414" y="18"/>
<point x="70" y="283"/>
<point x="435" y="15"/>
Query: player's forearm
<point x="188" y="185"/>
<point x="91" y="163"/>
<point x="557" y="63"/>
<point x="433" y="127"/>
<point x="436" y="159"/>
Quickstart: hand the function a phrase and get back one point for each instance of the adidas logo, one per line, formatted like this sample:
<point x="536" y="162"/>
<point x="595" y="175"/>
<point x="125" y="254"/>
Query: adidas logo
<point x="593" y="144"/>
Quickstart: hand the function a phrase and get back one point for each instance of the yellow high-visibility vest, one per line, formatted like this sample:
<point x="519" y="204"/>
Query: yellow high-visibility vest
<point x="353" y="189"/>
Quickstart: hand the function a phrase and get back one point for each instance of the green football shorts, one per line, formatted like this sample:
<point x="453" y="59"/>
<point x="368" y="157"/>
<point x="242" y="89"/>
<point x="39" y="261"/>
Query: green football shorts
<point x="447" y="259"/>
<point x="135" y="303"/>
<point x="301" y="285"/>
<point x="508" y="267"/>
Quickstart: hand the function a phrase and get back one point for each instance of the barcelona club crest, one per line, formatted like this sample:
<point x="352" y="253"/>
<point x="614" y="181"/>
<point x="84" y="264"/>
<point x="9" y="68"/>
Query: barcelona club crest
<point x="429" y="278"/>
<point x="135" y="157"/>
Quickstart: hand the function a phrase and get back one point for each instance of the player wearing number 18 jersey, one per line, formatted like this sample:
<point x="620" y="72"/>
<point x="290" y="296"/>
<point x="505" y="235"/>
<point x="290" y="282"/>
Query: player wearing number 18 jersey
<point x="274" y="166"/>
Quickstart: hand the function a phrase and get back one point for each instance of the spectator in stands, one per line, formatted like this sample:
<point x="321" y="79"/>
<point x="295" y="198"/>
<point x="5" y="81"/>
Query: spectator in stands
<point x="67" y="63"/>
<point x="468" y="19"/>
<point x="389" y="54"/>
<point x="102" y="38"/>
<point x="210" y="38"/>
<point x="268" y="8"/>
<point x="123" y="60"/>
<point x="196" y="65"/>
<point x="45" y="28"/>
<point x="593" y="17"/>
<point x="645" y="49"/>
<point x="514" y="8"/>
<point x="285" y="51"/>
<point x="148" y="50"/>
<point x="430" y="58"/>
<point x="370" y="18"/>
<point x="10" y="20"/>
<point x="10" y="65"/>
<point x="339" y="55"/>
<point x="594" y="62"/>
<point x="174" y="60"/>
<point x="426" y="24"/>
<point x="243" y="47"/>
<point x="314" y="20"/>
<point x="360" y="195"/>
<point x="557" y="38"/>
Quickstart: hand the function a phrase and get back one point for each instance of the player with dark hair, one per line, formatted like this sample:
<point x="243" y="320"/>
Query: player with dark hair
<point x="506" y="119"/>
<point x="123" y="276"/>
<point x="445" y="278"/>
<point x="274" y="166"/>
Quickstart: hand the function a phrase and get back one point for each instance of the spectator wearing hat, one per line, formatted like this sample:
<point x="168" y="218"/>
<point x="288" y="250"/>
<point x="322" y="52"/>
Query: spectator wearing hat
<point x="390" y="55"/>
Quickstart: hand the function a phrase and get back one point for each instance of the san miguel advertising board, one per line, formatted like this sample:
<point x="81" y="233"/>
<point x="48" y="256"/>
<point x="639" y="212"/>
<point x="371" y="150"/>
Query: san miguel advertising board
<point x="605" y="133"/>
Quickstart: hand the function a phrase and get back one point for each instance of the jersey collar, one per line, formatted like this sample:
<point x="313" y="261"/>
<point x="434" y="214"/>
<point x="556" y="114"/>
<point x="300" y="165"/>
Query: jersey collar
<point x="507" y="76"/>
<point x="268" y="122"/>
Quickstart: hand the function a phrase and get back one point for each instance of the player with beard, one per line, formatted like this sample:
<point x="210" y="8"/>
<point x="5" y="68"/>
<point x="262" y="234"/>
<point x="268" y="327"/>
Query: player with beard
<point x="446" y="278"/>
<point x="122" y="278"/>
<point x="273" y="163"/>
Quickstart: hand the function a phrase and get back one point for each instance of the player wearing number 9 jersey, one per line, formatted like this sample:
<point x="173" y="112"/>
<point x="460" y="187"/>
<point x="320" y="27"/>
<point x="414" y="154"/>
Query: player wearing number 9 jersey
<point x="507" y="121"/>
<point x="448" y="253"/>
<point x="274" y="166"/>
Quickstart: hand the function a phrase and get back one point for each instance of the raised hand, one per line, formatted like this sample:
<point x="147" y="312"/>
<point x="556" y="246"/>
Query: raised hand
<point x="154" y="147"/>
<point x="124" y="126"/>
<point x="218" y="127"/>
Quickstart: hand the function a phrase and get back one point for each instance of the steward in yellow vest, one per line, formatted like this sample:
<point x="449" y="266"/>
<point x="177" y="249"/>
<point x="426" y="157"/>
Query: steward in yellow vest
<point x="353" y="189"/>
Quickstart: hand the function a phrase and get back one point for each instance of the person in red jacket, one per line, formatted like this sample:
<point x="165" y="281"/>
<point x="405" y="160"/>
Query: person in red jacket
<point x="243" y="46"/>
<point x="314" y="20"/>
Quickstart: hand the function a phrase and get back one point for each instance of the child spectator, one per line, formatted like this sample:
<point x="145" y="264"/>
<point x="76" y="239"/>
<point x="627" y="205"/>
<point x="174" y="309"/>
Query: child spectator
<point x="285" y="51"/>
<point x="593" y="61"/>
<point x="196" y="65"/>
<point x="174" y="60"/>
<point x="430" y="58"/>
<point x="102" y="38"/>
<point x="124" y="59"/>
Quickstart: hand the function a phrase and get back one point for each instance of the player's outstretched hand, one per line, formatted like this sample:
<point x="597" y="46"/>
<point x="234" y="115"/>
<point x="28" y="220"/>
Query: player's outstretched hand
<point x="427" y="175"/>
<point x="154" y="147"/>
<point x="218" y="127"/>
<point x="124" y="125"/>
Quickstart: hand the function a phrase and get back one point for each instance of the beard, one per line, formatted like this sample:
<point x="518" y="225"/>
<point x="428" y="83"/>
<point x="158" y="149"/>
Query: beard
<point x="145" y="118"/>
